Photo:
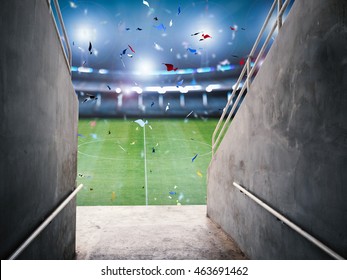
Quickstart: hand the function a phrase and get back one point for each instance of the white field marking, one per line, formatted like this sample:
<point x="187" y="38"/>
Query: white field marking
<point x="122" y="148"/>
<point x="145" y="156"/>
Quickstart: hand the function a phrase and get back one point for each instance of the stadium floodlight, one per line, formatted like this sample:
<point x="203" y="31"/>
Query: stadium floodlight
<point x="137" y="89"/>
<point x="205" y="69"/>
<point x="103" y="71"/>
<point x="161" y="90"/>
<point x="85" y="34"/>
<point x="153" y="89"/>
<point x="183" y="90"/>
<point x="209" y="88"/>
<point x="144" y="67"/>
<point x="170" y="88"/>
<point x="193" y="88"/>
<point x="85" y="70"/>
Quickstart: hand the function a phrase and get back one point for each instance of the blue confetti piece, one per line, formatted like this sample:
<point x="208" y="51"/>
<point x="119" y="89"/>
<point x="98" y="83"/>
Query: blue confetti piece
<point x="161" y="26"/>
<point x="94" y="136"/>
<point x="172" y="192"/>
<point x="80" y="135"/>
<point x="179" y="83"/>
<point x="194" y="157"/>
<point x="179" y="10"/>
<point x="192" y="50"/>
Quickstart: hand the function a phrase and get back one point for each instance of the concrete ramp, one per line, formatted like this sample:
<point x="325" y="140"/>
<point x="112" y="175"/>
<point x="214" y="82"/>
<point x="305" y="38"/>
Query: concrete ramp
<point x="151" y="233"/>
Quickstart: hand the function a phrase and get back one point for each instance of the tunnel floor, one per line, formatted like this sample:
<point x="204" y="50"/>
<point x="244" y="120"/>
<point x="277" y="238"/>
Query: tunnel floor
<point x="151" y="233"/>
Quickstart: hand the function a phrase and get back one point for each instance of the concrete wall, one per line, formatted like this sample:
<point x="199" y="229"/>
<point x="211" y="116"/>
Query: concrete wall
<point x="38" y="133"/>
<point x="288" y="143"/>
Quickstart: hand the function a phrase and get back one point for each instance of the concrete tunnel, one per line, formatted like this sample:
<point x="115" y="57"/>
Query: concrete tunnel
<point x="287" y="144"/>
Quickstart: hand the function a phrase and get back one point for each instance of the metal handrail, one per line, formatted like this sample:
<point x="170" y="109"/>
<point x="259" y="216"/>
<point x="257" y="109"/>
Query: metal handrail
<point x="289" y="223"/>
<point x="68" y="56"/>
<point x="44" y="224"/>
<point x="248" y="70"/>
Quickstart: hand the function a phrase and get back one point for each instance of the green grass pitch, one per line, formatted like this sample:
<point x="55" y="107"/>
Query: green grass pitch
<point x="115" y="169"/>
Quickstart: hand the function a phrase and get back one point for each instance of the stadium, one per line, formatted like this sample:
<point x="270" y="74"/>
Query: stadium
<point x="158" y="130"/>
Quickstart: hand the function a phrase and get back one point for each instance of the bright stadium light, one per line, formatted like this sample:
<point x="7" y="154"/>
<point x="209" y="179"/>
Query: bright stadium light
<point x="209" y="88"/>
<point x="85" y="70"/>
<point x="137" y="89"/>
<point x="103" y="71"/>
<point x="85" y="34"/>
<point x="170" y="88"/>
<point x="144" y="67"/>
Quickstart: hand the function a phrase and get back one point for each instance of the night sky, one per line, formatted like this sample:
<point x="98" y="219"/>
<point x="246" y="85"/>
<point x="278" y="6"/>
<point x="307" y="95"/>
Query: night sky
<point x="166" y="35"/>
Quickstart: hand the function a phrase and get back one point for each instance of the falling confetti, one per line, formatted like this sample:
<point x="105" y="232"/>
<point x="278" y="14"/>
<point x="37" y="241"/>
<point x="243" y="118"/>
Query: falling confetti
<point x="170" y="24"/>
<point x="158" y="47"/>
<point x="233" y="28"/>
<point x="132" y="143"/>
<point x="197" y="33"/>
<point x="153" y="150"/>
<point x="199" y="174"/>
<point x="192" y="50"/>
<point x="90" y="48"/>
<point x="161" y="26"/>
<point x="179" y="83"/>
<point x="141" y="122"/>
<point x="130" y="55"/>
<point x="113" y="196"/>
<point x="175" y="187"/>
<point x="121" y="59"/>
<point x="90" y="97"/>
<point x="131" y="49"/>
<point x="122" y="148"/>
<point x="194" y="157"/>
<point x="242" y="61"/>
<point x="205" y="36"/>
<point x="155" y="18"/>
<point x="139" y="28"/>
<point x="150" y="126"/>
<point x="152" y="104"/>
<point x="170" y="67"/>
<point x="167" y="107"/>
<point x="172" y="192"/>
<point x="109" y="87"/>
<point x="81" y="135"/>
<point x="224" y="62"/>
<point x="109" y="132"/>
<point x="145" y="3"/>
<point x="124" y="51"/>
<point x="189" y="114"/>
<point x="72" y="5"/>
<point x="179" y="10"/>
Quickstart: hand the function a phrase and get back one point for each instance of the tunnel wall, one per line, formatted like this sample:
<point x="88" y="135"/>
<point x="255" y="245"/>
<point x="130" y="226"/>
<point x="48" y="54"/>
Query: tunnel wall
<point x="38" y="133"/>
<point x="288" y="143"/>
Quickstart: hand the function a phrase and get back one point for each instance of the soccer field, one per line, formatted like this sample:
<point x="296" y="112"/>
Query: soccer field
<point x="122" y="163"/>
